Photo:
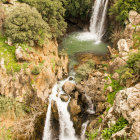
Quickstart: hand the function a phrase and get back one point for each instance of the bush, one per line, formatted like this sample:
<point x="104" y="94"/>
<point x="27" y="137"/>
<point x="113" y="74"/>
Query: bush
<point x="52" y="13"/>
<point x="121" y="9"/>
<point x="25" y="24"/>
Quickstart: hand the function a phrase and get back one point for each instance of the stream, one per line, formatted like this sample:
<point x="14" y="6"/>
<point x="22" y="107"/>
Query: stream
<point x="73" y="44"/>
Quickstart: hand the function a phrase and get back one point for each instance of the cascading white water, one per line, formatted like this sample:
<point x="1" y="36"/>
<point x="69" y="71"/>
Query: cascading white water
<point x="67" y="131"/>
<point x="83" y="130"/>
<point x="97" y="22"/>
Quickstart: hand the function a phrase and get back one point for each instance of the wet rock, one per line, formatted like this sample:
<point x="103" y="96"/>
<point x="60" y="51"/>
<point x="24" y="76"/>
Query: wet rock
<point x="80" y="88"/>
<point x="64" y="97"/>
<point x="74" y="107"/>
<point x="55" y="110"/>
<point x="68" y="87"/>
<point x="116" y="64"/>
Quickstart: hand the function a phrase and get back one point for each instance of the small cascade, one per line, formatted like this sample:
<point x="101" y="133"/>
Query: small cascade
<point x="90" y="109"/>
<point x="67" y="131"/>
<point x="97" y="22"/>
<point x="83" y="130"/>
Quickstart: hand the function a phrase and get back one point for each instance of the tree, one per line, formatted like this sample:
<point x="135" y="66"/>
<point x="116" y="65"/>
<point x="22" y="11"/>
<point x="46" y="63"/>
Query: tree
<point x="25" y="24"/>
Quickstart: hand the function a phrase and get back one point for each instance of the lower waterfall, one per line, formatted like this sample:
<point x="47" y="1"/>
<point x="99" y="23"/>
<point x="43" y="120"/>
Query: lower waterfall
<point x="67" y="131"/>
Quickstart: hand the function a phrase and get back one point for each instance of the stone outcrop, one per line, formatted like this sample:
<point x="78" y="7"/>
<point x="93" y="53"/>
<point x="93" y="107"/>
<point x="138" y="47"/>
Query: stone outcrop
<point x="127" y="104"/>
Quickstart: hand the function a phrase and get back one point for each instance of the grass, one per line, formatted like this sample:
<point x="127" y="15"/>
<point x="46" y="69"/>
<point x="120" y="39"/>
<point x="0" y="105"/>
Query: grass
<point x="8" y="53"/>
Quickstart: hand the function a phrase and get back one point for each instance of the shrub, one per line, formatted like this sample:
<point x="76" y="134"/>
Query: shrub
<point x="25" y="24"/>
<point x="53" y="13"/>
<point x="121" y="9"/>
<point x="92" y="136"/>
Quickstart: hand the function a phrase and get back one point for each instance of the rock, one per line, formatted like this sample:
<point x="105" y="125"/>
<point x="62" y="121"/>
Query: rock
<point x="109" y="89"/>
<point x="100" y="107"/>
<point x="20" y="54"/>
<point x="74" y="107"/>
<point x="68" y="87"/>
<point x="80" y="88"/>
<point x="122" y="46"/>
<point x="55" y="110"/>
<point x="9" y="41"/>
<point x="134" y="17"/>
<point x="116" y="64"/>
<point x="64" y="97"/>
<point x="115" y="76"/>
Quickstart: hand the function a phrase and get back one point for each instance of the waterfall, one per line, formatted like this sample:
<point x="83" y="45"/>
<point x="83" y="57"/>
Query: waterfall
<point x="67" y="131"/>
<point x="83" y="130"/>
<point x="97" y="22"/>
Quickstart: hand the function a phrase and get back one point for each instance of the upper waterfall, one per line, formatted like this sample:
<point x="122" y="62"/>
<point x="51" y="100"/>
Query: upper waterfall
<point x="97" y="22"/>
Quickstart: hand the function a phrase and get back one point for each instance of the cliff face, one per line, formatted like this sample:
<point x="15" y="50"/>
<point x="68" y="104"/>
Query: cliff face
<point x="44" y="68"/>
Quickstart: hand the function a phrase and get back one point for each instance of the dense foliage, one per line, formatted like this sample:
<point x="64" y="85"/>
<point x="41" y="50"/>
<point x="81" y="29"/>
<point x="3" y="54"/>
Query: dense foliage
<point x="25" y="24"/>
<point x="52" y="13"/>
<point x="121" y="9"/>
<point x="78" y="8"/>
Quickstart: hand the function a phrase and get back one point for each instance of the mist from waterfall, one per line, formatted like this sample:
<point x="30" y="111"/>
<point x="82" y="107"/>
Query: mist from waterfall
<point x="97" y="22"/>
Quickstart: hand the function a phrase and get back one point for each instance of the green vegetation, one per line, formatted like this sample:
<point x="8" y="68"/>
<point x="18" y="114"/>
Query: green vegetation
<point x="116" y="88"/>
<point x="8" y="53"/>
<point x="78" y="8"/>
<point x="84" y="70"/>
<point x="120" y="124"/>
<point x="121" y="9"/>
<point x="92" y="136"/>
<point x="132" y="68"/>
<point x="25" y="25"/>
<point x="52" y="13"/>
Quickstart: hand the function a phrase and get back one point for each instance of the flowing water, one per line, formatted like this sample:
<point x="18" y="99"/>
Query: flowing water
<point x="78" y="42"/>
<point x="67" y="131"/>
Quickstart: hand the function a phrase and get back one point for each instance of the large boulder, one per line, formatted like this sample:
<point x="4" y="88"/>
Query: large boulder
<point x="68" y="87"/>
<point x="127" y="105"/>
<point x="116" y="64"/>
